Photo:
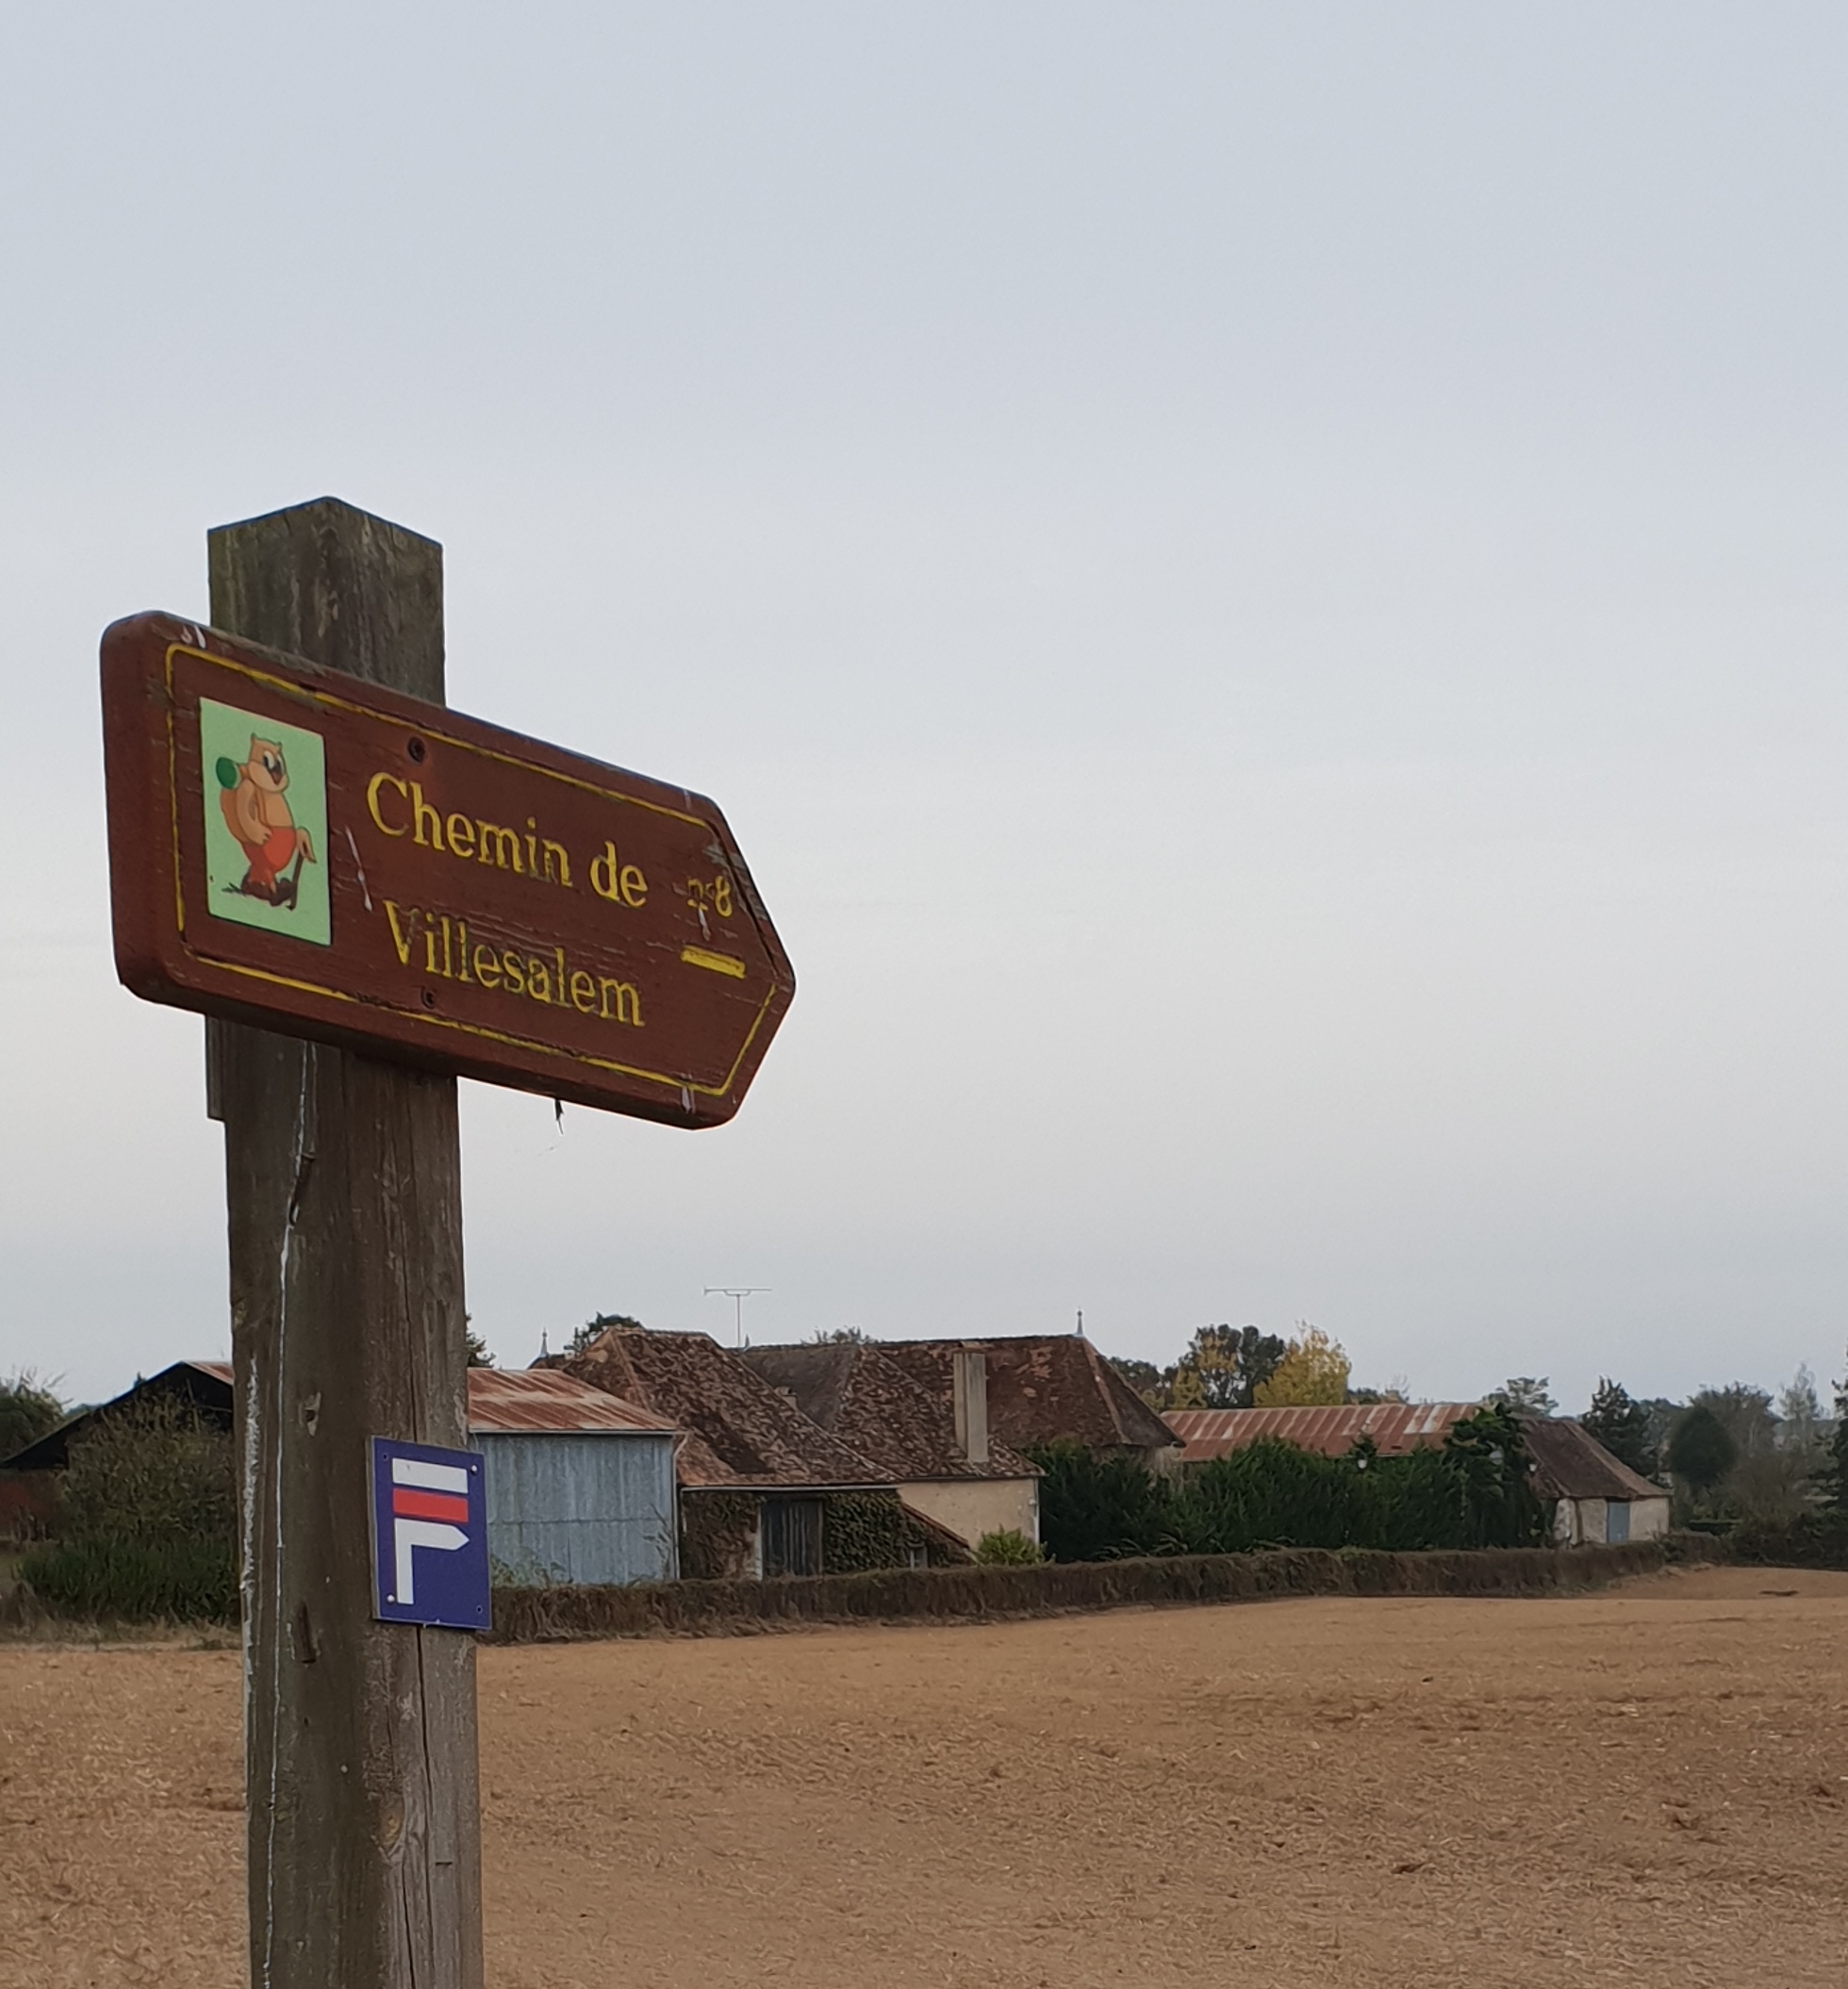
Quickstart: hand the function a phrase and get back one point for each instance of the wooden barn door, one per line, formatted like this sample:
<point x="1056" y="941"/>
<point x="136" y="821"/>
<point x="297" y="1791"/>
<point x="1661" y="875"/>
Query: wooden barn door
<point x="792" y="1537"/>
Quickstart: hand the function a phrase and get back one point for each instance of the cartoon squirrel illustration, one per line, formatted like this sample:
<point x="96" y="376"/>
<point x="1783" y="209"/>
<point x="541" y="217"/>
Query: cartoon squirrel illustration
<point x="256" y="811"/>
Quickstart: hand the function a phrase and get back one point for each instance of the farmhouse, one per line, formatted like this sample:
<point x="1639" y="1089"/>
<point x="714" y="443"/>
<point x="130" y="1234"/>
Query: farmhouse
<point x="1594" y="1496"/>
<point x="947" y="1463"/>
<point x="1043" y="1388"/>
<point x="763" y="1490"/>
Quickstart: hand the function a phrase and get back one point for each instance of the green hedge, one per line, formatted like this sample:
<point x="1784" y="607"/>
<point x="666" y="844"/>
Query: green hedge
<point x="1813" y="1540"/>
<point x="135" y="1580"/>
<point x="1055" y="1588"/>
<point x="1471" y="1491"/>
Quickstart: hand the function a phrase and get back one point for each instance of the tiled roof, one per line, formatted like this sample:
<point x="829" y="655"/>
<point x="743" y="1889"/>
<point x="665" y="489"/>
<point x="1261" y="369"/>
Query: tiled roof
<point x="854" y="1390"/>
<point x="1570" y="1463"/>
<point x="739" y="1430"/>
<point x="1395" y="1426"/>
<point x="1041" y="1389"/>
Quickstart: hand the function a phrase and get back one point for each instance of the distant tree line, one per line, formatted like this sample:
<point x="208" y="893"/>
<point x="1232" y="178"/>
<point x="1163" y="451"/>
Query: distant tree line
<point x="1732" y="1454"/>
<point x="1239" y="1368"/>
<point x="29" y="1409"/>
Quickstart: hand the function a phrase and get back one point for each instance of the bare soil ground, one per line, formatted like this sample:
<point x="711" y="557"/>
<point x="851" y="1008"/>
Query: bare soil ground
<point x="1649" y="1784"/>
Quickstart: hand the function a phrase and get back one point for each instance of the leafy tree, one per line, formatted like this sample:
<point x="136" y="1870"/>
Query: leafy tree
<point x="1315" y="1369"/>
<point x="1774" y="1482"/>
<point x="27" y="1410"/>
<point x="832" y="1336"/>
<point x="1745" y="1414"/>
<point x="152" y="1471"/>
<point x="1831" y="1481"/>
<point x="1662" y="1415"/>
<point x="602" y="1323"/>
<point x="1765" y="1480"/>
<point x="1800" y="1417"/>
<point x="1774" y="1479"/>
<point x="1769" y="1485"/>
<point x="479" y="1356"/>
<point x="1144" y="1376"/>
<point x="1620" y="1426"/>
<point x="1095" y="1508"/>
<point x="1701" y="1450"/>
<point x="148" y="1526"/>
<point x="1223" y="1368"/>
<point x="1487" y="1454"/>
<point x="1528" y="1394"/>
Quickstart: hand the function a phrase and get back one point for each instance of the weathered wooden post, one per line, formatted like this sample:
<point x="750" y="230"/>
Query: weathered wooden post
<point x="303" y="839"/>
<point x="343" y="1181"/>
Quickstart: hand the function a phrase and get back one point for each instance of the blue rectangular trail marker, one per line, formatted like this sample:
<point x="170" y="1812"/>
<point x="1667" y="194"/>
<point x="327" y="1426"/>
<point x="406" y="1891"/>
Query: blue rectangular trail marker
<point x="429" y="1536"/>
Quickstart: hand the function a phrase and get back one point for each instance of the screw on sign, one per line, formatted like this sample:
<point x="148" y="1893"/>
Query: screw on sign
<point x="367" y="896"/>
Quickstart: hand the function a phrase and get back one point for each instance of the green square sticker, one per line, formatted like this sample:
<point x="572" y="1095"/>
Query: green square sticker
<point x="266" y="823"/>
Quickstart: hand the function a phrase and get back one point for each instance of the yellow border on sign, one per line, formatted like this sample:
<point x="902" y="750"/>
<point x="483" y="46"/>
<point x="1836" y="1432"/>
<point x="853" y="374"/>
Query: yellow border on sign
<point x="419" y="1015"/>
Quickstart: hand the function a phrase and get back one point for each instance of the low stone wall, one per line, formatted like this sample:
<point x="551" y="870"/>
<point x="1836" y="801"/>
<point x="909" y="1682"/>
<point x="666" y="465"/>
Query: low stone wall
<point x="1056" y="1588"/>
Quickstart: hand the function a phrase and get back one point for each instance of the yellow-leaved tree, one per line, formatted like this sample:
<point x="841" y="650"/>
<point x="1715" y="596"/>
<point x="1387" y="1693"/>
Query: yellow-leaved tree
<point x="1315" y="1369"/>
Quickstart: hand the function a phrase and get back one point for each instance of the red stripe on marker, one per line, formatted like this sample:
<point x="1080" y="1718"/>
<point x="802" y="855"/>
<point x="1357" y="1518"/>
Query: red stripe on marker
<point x="409" y="1504"/>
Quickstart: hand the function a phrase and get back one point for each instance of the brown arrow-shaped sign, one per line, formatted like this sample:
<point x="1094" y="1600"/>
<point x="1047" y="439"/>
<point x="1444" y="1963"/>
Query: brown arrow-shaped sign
<point x="310" y="853"/>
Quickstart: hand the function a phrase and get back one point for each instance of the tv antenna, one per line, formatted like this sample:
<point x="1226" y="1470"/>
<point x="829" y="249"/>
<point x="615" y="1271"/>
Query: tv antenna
<point x="737" y="1294"/>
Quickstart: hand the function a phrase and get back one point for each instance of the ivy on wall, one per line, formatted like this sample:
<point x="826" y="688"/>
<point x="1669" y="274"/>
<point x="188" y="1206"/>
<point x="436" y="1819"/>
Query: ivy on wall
<point x="864" y="1530"/>
<point x="717" y="1531"/>
<point x="860" y="1532"/>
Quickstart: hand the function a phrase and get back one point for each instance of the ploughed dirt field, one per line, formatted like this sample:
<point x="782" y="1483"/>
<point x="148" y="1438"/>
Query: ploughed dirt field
<point x="1646" y="1786"/>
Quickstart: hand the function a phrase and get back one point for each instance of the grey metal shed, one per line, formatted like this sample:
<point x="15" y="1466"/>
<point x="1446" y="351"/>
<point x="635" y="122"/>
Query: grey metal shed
<point x="580" y="1483"/>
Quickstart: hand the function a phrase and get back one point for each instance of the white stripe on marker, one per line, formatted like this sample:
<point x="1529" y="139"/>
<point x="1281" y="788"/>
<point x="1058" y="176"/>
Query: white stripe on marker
<point x="433" y="1477"/>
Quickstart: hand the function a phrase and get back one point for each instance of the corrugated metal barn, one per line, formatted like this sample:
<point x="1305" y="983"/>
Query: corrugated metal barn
<point x="580" y="1484"/>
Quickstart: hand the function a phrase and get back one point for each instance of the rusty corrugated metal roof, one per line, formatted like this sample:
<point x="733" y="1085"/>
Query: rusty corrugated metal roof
<point x="541" y="1400"/>
<point x="1334" y="1429"/>
<point x="532" y="1400"/>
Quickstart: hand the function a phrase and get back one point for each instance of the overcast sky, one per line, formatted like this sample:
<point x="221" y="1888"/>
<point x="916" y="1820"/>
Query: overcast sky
<point x="1261" y="585"/>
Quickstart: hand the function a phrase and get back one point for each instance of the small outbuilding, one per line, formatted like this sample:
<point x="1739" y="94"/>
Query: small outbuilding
<point x="580" y="1484"/>
<point x="1595" y="1497"/>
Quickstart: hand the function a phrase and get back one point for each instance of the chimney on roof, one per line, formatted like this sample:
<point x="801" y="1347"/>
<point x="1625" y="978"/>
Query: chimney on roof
<point x="968" y="1382"/>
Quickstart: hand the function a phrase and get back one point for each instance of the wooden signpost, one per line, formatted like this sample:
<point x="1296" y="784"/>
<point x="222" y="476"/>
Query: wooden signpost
<point x="368" y="893"/>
